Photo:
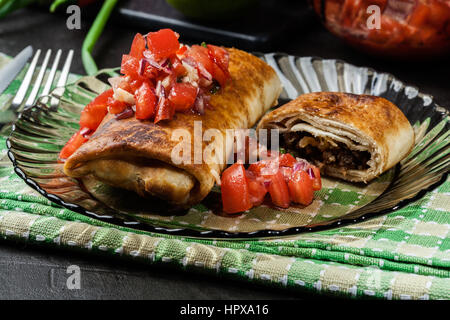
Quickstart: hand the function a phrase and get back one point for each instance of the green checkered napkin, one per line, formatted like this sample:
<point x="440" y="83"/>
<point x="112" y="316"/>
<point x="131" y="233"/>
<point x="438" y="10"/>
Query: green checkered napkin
<point x="401" y="255"/>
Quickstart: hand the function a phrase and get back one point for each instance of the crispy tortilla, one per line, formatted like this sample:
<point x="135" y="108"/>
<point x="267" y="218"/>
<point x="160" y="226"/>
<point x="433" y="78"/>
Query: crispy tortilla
<point x="352" y="137"/>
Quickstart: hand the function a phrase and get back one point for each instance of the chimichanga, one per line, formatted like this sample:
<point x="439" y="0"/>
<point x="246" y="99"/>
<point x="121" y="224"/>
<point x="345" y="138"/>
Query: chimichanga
<point x="348" y="136"/>
<point x="136" y="155"/>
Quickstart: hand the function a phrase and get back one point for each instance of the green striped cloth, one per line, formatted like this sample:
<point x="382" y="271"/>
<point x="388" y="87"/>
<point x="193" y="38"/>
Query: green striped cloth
<point x="401" y="255"/>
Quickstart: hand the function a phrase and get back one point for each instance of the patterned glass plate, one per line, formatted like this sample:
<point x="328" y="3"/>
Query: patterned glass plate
<point x="41" y="131"/>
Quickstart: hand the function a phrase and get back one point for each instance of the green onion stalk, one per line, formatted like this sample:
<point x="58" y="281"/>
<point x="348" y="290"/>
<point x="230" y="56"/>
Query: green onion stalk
<point x="94" y="33"/>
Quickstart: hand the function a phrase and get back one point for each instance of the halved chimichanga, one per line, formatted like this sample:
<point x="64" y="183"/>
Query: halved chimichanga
<point x="348" y="136"/>
<point x="137" y="154"/>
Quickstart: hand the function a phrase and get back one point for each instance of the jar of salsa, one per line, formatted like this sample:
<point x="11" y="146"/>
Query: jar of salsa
<point x="393" y="28"/>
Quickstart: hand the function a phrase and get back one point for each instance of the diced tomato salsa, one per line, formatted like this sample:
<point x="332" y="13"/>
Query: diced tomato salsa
<point x="159" y="77"/>
<point x="285" y="178"/>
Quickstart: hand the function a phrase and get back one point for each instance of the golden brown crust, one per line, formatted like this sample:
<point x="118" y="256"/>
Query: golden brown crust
<point x="375" y="119"/>
<point x="254" y="88"/>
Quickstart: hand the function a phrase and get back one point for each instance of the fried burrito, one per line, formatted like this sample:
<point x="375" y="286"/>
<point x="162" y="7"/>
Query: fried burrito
<point x="348" y="136"/>
<point x="137" y="155"/>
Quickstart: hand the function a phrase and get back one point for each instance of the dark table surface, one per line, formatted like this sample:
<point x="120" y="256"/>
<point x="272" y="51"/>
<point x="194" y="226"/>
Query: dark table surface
<point x="33" y="272"/>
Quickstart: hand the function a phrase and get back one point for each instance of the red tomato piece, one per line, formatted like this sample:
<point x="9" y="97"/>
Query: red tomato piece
<point x="163" y="43"/>
<point x="219" y="56"/>
<point x="278" y="190"/>
<point x="93" y="114"/>
<point x="138" y="46"/>
<point x="265" y="167"/>
<point x="287" y="160"/>
<point x="300" y="188"/>
<point x="220" y="76"/>
<point x="420" y="15"/>
<point x="72" y="145"/>
<point x="130" y="66"/>
<point x="201" y="56"/>
<point x="134" y="85"/>
<point x="287" y="173"/>
<point x="164" y="110"/>
<point x="116" y="106"/>
<point x="146" y="70"/>
<point x="182" y="96"/>
<point x="177" y="67"/>
<point x="256" y="188"/>
<point x="235" y="190"/>
<point x="145" y="102"/>
<point x="181" y="51"/>
<point x="316" y="181"/>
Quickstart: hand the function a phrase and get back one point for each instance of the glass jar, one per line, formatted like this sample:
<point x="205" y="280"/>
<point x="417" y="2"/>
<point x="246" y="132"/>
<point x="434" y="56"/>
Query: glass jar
<point x="394" y="28"/>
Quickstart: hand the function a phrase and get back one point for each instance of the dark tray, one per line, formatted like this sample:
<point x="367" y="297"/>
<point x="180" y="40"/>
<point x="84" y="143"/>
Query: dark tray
<point x="258" y="29"/>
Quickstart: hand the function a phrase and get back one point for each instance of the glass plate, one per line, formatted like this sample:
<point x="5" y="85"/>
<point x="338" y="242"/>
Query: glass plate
<point x="41" y="131"/>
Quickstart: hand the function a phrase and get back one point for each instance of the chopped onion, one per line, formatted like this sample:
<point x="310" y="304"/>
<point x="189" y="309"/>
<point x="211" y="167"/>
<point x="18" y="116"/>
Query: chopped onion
<point x="300" y="165"/>
<point x="311" y="173"/>
<point x="204" y="73"/>
<point x="142" y="65"/>
<point x="124" y="96"/>
<point x="159" y="91"/>
<point x="191" y="62"/>
<point x="127" y="113"/>
<point x="166" y="82"/>
<point x="192" y="73"/>
<point x="199" y="104"/>
<point x="163" y="66"/>
<point x="115" y="82"/>
<point x="206" y="99"/>
<point x="86" y="132"/>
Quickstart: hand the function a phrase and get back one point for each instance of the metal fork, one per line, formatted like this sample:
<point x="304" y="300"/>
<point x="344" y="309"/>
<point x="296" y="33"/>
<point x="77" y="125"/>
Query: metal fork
<point x="24" y="87"/>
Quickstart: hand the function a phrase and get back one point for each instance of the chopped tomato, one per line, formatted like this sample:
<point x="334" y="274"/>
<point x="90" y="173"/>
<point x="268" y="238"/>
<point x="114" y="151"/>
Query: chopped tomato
<point x="316" y="180"/>
<point x="419" y="15"/>
<point x="72" y="145"/>
<point x="235" y="190"/>
<point x="300" y="188"/>
<point x="200" y="55"/>
<point x="134" y="85"/>
<point x="278" y="190"/>
<point x="220" y="76"/>
<point x="138" y="46"/>
<point x="163" y="43"/>
<point x="145" y="102"/>
<point x="147" y="70"/>
<point x="93" y="114"/>
<point x="287" y="160"/>
<point x="164" y="110"/>
<point x="116" y="106"/>
<point x="177" y="67"/>
<point x="256" y="188"/>
<point x="130" y="66"/>
<point x="181" y="51"/>
<point x="219" y="56"/>
<point x="182" y="96"/>
<point x="264" y="167"/>
<point x="287" y="173"/>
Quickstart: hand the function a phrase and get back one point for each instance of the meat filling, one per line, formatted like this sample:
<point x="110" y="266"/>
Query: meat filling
<point x="326" y="152"/>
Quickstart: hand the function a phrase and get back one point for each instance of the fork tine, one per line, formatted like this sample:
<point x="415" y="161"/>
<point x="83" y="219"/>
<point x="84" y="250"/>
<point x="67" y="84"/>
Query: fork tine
<point x="51" y="75"/>
<point x="37" y="83"/>
<point x="21" y="93"/>
<point x="65" y="71"/>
